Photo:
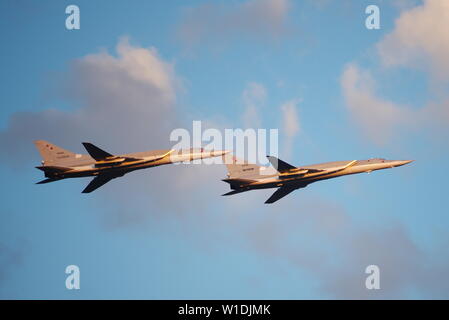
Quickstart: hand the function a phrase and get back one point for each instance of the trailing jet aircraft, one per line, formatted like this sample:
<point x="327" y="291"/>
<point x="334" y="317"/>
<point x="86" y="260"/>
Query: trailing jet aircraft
<point x="60" y="164"/>
<point x="243" y="176"/>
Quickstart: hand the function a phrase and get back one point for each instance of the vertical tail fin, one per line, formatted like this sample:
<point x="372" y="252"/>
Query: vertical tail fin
<point x="238" y="168"/>
<point x="52" y="154"/>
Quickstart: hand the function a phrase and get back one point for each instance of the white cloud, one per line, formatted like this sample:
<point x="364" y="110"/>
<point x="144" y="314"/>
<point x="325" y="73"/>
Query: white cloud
<point x="127" y="102"/>
<point x="254" y="97"/>
<point x="420" y="38"/>
<point x="291" y="124"/>
<point x="142" y="66"/>
<point x="376" y="116"/>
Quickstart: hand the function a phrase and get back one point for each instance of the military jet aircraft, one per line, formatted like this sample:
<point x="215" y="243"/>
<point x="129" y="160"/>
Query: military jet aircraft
<point x="59" y="163"/>
<point x="243" y="176"/>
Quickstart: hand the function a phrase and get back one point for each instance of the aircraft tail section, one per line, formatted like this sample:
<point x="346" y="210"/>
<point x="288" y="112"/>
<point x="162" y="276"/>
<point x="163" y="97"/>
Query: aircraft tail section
<point x="238" y="168"/>
<point x="230" y="193"/>
<point x="53" y="169"/>
<point x="237" y="183"/>
<point x="48" y="180"/>
<point x="52" y="155"/>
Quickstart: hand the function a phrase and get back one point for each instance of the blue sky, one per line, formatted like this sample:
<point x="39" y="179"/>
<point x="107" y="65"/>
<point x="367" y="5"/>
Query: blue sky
<point x="166" y="233"/>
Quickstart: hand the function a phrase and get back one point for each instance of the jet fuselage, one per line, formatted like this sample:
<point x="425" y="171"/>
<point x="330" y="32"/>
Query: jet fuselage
<point x="287" y="178"/>
<point x="278" y="179"/>
<point x="58" y="163"/>
<point x="120" y="165"/>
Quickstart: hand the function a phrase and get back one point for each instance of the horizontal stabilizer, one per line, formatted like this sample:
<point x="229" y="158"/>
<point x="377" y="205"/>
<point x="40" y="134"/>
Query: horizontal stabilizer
<point x="242" y="181"/>
<point x="96" y="152"/>
<point x="53" y="169"/>
<point x="237" y="182"/>
<point x="47" y="181"/>
<point x="280" y="165"/>
<point x="230" y="193"/>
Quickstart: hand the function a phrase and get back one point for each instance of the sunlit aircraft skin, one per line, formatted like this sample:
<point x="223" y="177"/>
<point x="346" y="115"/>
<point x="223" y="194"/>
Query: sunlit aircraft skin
<point x="61" y="164"/>
<point x="244" y="176"/>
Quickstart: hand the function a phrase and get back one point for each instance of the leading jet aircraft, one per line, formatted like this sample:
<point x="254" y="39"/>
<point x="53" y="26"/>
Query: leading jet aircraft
<point x="59" y="163"/>
<point x="244" y="176"/>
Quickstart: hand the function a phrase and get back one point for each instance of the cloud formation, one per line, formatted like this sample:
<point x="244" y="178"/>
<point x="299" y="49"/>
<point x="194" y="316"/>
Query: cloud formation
<point x="377" y="117"/>
<point x="129" y="99"/>
<point x="420" y="38"/>
<point x="10" y="257"/>
<point x="323" y="240"/>
<point x="127" y="103"/>
<point x="290" y="124"/>
<point x="290" y="118"/>
<point x="254" y="97"/>
<point x="262" y="19"/>
<point x="124" y="100"/>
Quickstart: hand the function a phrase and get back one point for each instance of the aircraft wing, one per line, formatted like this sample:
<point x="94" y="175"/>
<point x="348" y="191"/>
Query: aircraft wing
<point x="104" y="158"/>
<point x="98" y="181"/>
<point x="95" y="152"/>
<point x="283" y="191"/>
<point x="349" y="164"/>
<point x="280" y="193"/>
<point x="284" y="167"/>
<point x="311" y="170"/>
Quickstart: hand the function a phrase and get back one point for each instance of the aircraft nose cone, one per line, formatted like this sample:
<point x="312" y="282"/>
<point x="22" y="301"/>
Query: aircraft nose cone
<point x="220" y="153"/>
<point x="402" y="162"/>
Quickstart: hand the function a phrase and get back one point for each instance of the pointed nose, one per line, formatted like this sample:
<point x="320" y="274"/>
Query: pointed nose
<point x="218" y="153"/>
<point x="402" y="162"/>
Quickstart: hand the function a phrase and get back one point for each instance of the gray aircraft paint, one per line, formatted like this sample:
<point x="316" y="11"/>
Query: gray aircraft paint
<point x="243" y="176"/>
<point x="59" y="163"/>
